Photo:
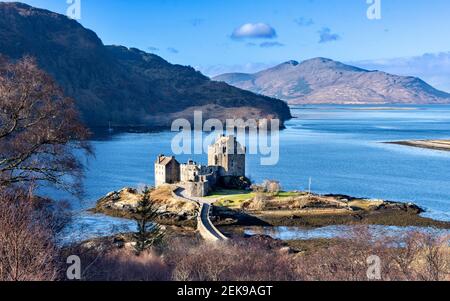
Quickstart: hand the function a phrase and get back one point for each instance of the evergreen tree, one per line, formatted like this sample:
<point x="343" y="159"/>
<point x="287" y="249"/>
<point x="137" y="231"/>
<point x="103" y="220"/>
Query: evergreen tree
<point x="149" y="233"/>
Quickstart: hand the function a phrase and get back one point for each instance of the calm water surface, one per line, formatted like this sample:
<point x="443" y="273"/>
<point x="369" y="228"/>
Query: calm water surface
<point x="297" y="233"/>
<point x="340" y="148"/>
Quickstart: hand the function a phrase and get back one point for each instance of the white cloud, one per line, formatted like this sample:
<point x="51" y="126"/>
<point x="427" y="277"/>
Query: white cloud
<point x="327" y="36"/>
<point x="254" y="31"/>
<point x="173" y="50"/>
<point x="152" y="48"/>
<point x="271" y="44"/>
<point x="304" y="22"/>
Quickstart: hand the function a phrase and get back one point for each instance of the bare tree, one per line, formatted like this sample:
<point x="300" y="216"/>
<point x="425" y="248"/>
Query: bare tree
<point x="122" y="265"/>
<point x="39" y="129"/>
<point x="27" y="250"/>
<point x="435" y="257"/>
<point x="235" y="260"/>
<point x="412" y="257"/>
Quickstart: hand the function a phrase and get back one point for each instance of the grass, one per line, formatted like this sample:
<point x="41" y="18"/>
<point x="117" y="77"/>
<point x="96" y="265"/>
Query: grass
<point x="231" y="198"/>
<point x="226" y="193"/>
<point x="287" y="194"/>
<point x="235" y="198"/>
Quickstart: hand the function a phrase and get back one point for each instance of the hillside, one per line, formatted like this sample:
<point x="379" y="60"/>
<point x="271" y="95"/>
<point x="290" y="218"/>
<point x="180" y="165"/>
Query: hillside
<point x="322" y="80"/>
<point x="126" y="87"/>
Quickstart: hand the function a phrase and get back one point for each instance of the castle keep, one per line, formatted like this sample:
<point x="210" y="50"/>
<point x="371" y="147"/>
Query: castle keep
<point x="228" y="154"/>
<point x="226" y="160"/>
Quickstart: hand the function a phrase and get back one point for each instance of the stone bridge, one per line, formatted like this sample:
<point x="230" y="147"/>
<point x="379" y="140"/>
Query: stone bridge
<point x="204" y="225"/>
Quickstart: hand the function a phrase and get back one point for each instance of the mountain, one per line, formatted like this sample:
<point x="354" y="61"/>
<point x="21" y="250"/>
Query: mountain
<point x="322" y="80"/>
<point x="126" y="87"/>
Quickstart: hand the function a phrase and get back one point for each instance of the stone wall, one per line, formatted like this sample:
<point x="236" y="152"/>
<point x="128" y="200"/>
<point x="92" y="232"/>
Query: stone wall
<point x="189" y="172"/>
<point x="236" y="166"/>
<point x="160" y="175"/>
<point x="206" y="228"/>
<point x="197" y="189"/>
<point x="173" y="172"/>
<point x="199" y="180"/>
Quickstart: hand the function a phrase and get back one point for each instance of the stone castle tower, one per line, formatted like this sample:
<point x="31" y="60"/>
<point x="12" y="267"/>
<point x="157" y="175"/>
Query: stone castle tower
<point x="228" y="154"/>
<point x="167" y="170"/>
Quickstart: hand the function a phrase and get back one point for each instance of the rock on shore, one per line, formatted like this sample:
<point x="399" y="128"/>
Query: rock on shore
<point x="172" y="211"/>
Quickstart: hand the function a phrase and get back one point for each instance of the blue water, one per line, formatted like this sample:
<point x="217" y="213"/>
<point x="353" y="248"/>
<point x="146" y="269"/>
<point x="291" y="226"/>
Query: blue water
<point x="339" y="147"/>
<point x="297" y="233"/>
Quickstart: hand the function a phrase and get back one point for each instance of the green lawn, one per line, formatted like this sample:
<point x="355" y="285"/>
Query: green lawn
<point x="231" y="198"/>
<point x="226" y="192"/>
<point x="234" y="198"/>
<point x="288" y="194"/>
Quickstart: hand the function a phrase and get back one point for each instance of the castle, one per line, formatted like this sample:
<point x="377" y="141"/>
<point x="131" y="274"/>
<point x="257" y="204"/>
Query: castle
<point x="226" y="160"/>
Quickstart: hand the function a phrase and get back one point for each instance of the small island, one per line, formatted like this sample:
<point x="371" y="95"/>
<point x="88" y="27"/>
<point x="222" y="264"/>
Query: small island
<point x="218" y="201"/>
<point x="236" y="209"/>
<point x="443" y="145"/>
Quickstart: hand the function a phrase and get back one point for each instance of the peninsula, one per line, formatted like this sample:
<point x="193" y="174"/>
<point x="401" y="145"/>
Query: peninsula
<point x="443" y="145"/>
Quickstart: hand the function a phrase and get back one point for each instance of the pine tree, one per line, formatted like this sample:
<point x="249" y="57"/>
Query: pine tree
<point x="149" y="233"/>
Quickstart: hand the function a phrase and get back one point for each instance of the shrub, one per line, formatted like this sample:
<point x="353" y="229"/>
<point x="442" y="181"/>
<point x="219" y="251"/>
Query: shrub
<point x="238" y="260"/>
<point x="411" y="257"/>
<point x="124" y="265"/>
<point x="259" y="202"/>
<point x="27" y="250"/>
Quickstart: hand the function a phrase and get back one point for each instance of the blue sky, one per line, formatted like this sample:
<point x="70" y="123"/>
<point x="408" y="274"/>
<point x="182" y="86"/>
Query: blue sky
<point x="206" y="34"/>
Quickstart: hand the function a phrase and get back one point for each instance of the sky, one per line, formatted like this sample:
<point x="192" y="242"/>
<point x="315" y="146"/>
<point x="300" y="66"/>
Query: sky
<point x="217" y="36"/>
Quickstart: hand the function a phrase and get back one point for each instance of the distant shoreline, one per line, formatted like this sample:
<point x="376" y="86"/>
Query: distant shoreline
<point x="359" y="107"/>
<point x="384" y="109"/>
<point x="104" y="133"/>
<point x="442" y="145"/>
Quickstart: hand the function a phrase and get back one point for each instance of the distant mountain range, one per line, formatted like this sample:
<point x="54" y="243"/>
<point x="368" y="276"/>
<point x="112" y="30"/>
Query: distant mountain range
<point x="117" y="85"/>
<point x="324" y="81"/>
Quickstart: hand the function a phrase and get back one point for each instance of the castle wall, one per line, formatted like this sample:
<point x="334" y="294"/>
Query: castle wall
<point x="236" y="166"/>
<point x="197" y="189"/>
<point x="211" y="174"/>
<point x="160" y="175"/>
<point x="173" y="172"/>
<point x="189" y="172"/>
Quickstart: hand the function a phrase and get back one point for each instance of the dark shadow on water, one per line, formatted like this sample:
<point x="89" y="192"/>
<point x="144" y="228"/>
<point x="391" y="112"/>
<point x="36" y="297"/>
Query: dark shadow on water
<point x="106" y="133"/>
<point x="226" y="216"/>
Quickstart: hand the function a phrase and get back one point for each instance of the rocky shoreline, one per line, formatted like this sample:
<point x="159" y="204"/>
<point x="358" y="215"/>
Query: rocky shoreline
<point x="172" y="211"/>
<point x="322" y="211"/>
<point x="299" y="209"/>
